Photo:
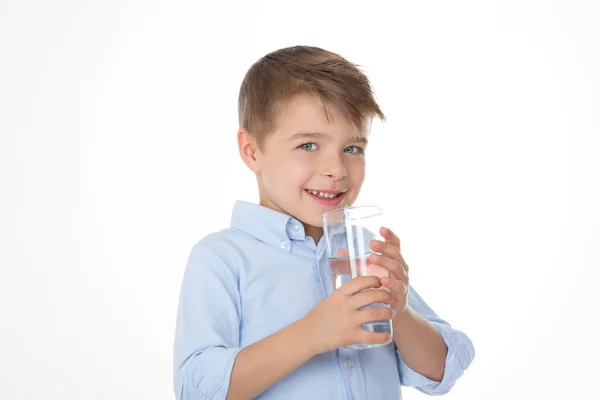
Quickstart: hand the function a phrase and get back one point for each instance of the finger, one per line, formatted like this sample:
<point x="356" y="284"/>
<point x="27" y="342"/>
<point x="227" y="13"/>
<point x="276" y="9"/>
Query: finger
<point x="398" y="289"/>
<point x="393" y="266"/>
<point x="393" y="280"/>
<point x="369" y="297"/>
<point x="365" y="336"/>
<point x="403" y="263"/>
<point x="342" y="253"/>
<point x="359" y="284"/>
<point x="387" y="249"/>
<point x="390" y="236"/>
<point x="339" y="266"/>
<point x="390" y="251"/>
<point x="375" y="314"/>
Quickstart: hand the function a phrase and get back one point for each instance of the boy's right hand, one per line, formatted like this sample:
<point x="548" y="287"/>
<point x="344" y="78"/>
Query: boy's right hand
<point x="337" y="321"/>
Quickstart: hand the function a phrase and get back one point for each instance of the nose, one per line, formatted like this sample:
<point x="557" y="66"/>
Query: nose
<point x="333" y="167"/>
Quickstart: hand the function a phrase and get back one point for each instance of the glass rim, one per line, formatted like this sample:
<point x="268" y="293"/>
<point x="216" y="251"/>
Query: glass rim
<point x="378" y="212"/>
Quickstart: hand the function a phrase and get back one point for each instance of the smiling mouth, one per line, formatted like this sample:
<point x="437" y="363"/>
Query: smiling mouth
<point x="324" y="195"/>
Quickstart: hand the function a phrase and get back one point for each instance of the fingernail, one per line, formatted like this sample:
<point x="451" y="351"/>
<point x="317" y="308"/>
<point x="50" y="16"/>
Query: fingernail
<point x="393" y="314"/>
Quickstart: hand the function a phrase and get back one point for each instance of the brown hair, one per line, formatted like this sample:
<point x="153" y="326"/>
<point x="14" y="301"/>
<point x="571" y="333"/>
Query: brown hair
<point x="275" y="78"/>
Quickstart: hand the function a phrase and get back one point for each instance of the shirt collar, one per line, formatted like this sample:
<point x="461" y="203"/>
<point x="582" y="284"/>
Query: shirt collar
<point x="267" y="225"/>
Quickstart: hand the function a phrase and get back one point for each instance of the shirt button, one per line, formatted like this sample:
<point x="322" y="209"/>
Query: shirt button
<point x="349" y="363"/>
<point x="296" y="227"/>
<point x="284" y="244"/>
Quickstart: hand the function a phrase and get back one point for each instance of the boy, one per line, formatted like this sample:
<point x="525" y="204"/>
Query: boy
<point x="255" y="319"/>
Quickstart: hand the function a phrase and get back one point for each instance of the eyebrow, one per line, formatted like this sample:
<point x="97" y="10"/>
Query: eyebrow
<point x="319" y="135"/>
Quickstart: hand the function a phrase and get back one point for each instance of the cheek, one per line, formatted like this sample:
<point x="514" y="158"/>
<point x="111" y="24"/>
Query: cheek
<point x="272" y="174"/>
<point x="296" y="169"/>
<point x="357" y="174"/>
<point x="286" y="173"/>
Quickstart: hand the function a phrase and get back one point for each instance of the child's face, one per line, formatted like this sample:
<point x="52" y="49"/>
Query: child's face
<point x="307" y="154"/>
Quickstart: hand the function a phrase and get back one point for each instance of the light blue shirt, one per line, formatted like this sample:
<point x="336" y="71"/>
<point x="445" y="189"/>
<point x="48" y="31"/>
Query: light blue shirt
<point x="251" y="280"/>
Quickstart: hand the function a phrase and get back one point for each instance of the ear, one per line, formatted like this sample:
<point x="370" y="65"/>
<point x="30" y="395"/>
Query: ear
<point x="248" y="150"/>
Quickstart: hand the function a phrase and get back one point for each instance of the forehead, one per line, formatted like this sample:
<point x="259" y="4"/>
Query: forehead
<point x="305" y="113"/>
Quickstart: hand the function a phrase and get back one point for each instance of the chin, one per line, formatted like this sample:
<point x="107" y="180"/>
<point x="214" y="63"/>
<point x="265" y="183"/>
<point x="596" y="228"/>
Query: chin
<point x="312" y="220"/>
<point x="316" y="224"/>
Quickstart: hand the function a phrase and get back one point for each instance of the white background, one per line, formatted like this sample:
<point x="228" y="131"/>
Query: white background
<point x="117" y="154"/>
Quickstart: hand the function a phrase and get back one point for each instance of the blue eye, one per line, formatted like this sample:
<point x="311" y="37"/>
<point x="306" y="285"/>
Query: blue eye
<point x="308" y="146"/>
<point x="353" y="150"/>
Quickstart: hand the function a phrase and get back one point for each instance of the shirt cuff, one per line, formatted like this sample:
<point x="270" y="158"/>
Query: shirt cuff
<point x="208" y="374"/>
<point x="459" y="357"/>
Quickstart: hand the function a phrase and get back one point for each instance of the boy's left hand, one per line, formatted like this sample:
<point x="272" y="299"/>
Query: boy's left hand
<point x="392" y="260"/>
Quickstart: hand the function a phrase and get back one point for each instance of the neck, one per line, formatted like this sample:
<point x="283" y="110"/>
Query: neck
<point x="314" y="232"/>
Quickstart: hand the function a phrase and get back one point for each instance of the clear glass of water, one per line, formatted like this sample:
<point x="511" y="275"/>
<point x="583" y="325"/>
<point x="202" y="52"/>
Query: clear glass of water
<point x="348" y="232"/>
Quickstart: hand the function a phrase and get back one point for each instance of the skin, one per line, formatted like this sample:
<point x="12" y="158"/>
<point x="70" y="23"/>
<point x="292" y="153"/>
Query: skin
<point x="330" y="158"/>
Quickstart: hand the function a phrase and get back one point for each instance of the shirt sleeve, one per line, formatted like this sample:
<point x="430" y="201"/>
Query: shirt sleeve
<point x="207" y="327"/>
<point x="460" y="352"/>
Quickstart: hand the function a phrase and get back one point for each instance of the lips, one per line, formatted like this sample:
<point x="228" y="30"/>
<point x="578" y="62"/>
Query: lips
<point x="325" y="195"/>
<point x="329" y="198"/>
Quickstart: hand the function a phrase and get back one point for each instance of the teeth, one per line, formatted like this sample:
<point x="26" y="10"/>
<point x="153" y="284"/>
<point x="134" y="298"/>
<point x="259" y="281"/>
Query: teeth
<point x="324" y="195"/>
